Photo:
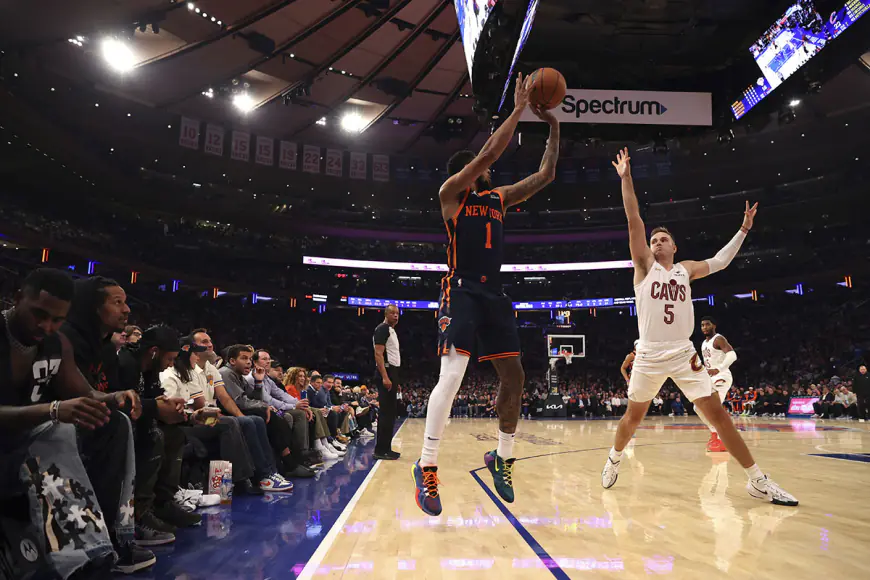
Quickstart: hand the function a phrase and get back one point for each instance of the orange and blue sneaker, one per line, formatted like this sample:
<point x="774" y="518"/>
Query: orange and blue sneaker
<point x="502" y="474"/>
<point x="426" y="482"/>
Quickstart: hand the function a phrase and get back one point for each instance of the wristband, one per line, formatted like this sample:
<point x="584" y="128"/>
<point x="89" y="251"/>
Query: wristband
<point x="744" y="229"/>
<point x="53" y="409"/>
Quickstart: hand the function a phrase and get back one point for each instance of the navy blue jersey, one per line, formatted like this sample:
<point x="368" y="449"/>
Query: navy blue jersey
<point x="475" y="246"/>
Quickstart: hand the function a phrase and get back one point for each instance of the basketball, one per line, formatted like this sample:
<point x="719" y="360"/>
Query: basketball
<point x="548" y="88"/>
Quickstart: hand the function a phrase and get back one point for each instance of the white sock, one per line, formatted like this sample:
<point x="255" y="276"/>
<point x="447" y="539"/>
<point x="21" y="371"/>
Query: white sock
<point x="754" y="472"/>
<point x="505" y="445"/>
<point x="704" y="419"/>
<point x="453" y="367"/>
<point x="615" y="456"/>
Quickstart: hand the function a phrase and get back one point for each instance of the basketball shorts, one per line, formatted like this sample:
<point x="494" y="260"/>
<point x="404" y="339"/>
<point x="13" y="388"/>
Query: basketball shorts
<point x="475" y="314"/>
<point x="680" y="363"/>
<point x="722" y="383"/>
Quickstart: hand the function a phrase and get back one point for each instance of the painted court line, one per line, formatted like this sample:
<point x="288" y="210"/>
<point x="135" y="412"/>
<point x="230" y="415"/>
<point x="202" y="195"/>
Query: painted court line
<point x="316" y="559"/>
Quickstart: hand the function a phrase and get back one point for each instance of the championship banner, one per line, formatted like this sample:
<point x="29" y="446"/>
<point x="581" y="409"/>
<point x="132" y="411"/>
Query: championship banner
<point x="265" y="151"/>
<point x="357" y="165"/>
<point x="632" y="108"/>
<point x="311" y="159"/>
<point x="334" y="163"/>
<point x="381" y="167"/>
<point x="214" y="140"/>
<point x="189" y="136"/>
<point x="287" y="160"/>
<point x="241" y="150"/>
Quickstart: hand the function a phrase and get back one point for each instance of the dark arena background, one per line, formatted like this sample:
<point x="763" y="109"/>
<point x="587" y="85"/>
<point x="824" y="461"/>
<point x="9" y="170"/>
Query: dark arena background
<point x="269" y="171"/>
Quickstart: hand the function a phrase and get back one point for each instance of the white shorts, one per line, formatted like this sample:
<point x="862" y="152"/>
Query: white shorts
<point x="722" y="383"/>
<point x="653" y="366"/>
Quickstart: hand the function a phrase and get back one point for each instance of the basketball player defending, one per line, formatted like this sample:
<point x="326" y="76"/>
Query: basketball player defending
<point x="473" y="307"/>
<point x="718" y="358"/>
<point x="666" y="318"/>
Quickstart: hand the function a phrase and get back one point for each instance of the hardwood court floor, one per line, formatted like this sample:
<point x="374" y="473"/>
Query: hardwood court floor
<point x="675" y="510"/>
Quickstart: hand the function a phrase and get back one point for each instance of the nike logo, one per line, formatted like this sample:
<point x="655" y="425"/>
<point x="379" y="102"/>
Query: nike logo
<point x="432" y="439"/>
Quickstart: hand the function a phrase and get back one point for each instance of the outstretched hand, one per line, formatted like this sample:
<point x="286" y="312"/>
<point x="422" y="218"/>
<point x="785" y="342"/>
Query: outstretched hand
<point x="622" y="163"/>
<point x="749" y="215"/>
<point x="522" y="88"/>
<point x="544" y="114"/>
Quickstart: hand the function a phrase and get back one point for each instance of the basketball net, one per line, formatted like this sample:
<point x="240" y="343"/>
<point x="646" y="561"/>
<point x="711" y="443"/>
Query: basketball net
<point x="566" y="354"/>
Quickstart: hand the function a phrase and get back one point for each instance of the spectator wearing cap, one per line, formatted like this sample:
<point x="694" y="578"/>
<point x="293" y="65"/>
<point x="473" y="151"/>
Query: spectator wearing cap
<point x="186" y="380"/>
<point x="239" y="363"/>
<point x="294" y="411"/>
<point x="158" y="438"/>
<point x="253" y="427"/>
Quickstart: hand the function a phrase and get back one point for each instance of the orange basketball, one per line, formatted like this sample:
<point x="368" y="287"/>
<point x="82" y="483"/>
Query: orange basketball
<point x="548" y="88"/>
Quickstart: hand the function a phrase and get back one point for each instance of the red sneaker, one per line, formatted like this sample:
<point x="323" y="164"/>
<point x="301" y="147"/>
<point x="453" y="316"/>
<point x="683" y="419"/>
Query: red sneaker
<point x="715" y="445"/>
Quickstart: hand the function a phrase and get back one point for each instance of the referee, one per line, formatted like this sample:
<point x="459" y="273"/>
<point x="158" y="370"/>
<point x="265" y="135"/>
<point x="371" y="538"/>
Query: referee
<point x="388" y="362"/>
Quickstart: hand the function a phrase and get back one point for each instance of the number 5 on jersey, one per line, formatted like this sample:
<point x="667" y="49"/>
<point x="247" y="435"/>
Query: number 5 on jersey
<point x="669" y="313"/>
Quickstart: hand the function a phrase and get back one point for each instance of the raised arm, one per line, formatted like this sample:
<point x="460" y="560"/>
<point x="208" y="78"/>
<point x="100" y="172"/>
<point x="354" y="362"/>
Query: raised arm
<point x="520" y="192"/>
<point x="452" y="190"/>
<point x="641" y="255"/>
<point x="723" y="257"/>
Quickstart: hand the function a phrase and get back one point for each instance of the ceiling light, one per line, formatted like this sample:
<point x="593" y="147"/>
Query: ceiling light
<point x="118" y="55"/>
<point x="243" y="102"/>
<point x="794" y="103"/>
<point x="219" y="23"/>
<point x="197" y="10"/>
<point x="205" y="14"/>
<point x="352" y="122"/>
<point x="52" y="89"/>
<point x="213" y="18"/>
<point x="190" y="6"/>
<point x="322" y="121"/>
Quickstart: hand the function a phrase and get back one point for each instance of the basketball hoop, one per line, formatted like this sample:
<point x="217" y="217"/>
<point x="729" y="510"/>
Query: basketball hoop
<point x="567" y="355"/>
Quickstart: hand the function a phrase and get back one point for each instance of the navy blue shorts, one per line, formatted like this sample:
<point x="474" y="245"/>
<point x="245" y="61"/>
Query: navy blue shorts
<point x="471" y="312"/>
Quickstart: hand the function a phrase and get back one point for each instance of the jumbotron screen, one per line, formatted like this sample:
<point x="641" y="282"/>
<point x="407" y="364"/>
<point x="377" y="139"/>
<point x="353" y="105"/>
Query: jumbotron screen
<point x="472" y="16"/>
<point x="794" y="39"/>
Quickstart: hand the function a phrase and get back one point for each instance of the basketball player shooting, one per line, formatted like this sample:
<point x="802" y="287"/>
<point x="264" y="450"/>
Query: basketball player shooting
<point x="718" y="358"/>
<point x="473" y="307"/>
<point x="666" y="318"/>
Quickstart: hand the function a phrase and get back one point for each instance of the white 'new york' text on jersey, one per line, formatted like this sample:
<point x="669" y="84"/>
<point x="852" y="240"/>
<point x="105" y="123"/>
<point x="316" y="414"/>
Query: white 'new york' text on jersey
<point x="664" y="306"/>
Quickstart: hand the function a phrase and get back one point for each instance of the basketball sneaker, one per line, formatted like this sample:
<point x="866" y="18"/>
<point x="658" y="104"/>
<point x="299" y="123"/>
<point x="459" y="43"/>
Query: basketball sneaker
<point x="767" y="489"/>
<point x="610" y="473"/>
<point x="426" y="482"/>
<point x="502" y="474"/>
<point x="715" y="445"/>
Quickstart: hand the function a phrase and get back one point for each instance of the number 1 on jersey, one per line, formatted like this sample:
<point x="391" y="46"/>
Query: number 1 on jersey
<point x="488" y="236"/>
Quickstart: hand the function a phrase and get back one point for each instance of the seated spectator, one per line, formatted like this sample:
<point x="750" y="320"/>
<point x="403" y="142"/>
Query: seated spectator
<point x="657" y="403"/>
<point x="134" y="333"/>
<point x="118" y="340"/>
<point x="363" y="411"/>
<point x="677" y="409"/>
<point x="46" y="401"/>
<point x="294" y="411"/>
<point x="822" y="407"/>
<point x="158" y="438"/>
<point x="295" y="384"/>
<point x="186" y="380"/>
<point x="239" y="362"/>
<point x="253" y="427"/>
<point x="845" y="404"/>
<point x="319" y="399"/>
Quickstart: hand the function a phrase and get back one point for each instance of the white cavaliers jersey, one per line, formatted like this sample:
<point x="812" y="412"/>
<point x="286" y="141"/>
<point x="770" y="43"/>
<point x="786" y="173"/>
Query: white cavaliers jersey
<point x="665" y="313"/>
<point x="713" y="357"/>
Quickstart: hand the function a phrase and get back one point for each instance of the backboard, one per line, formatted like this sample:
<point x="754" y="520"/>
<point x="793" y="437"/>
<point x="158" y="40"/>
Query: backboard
<point x="573" y="343"/>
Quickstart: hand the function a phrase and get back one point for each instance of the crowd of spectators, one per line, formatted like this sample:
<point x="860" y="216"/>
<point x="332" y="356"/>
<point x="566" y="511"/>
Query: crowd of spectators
<point x="255" y="384"/>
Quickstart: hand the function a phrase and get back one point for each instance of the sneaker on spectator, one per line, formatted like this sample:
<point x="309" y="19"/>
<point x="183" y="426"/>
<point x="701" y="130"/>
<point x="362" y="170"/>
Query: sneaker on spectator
<point x="327" y="452"/>
<point x="131" y="559"/>
<point x="174" y="514"/>
<point x="338" y="445"/>
<point x="336" y="450"/>
<point x="366" y="433"/>
<point x="209" y="500"/>
<point x="151" y="531"/>
<point x="276" y="483"/>
<point x="313" y="458"/>
<point x="342" y="439"/>
<point x="247" y="487"/>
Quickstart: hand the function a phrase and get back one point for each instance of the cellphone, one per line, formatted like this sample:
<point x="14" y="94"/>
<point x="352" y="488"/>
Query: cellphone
<point x="211" y="411"/>
<point x="304" y="394"/>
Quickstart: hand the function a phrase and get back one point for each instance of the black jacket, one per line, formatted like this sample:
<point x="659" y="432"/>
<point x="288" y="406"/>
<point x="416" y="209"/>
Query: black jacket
<point x="147" y="384"/>
<point x="861" y="385"/>
<point x="94" y="352"/>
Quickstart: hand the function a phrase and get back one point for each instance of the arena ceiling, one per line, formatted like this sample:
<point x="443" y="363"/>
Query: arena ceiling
<point x="398" y="64"/>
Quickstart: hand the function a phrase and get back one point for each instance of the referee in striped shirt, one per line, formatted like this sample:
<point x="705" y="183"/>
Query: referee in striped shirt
<point x="388" y="362"/>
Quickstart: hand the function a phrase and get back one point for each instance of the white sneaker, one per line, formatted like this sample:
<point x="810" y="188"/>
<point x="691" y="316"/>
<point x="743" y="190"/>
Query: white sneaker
<point x="767" y="489"/>
<point x="610" y="473"/>
<point x="326" y="451"/>
<point x="366" y="433"/>
<point x="276" y="483"/>
<point x="208" y="500"/>
<point x="338" y="445"/>
<point x="335" y="449"/>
